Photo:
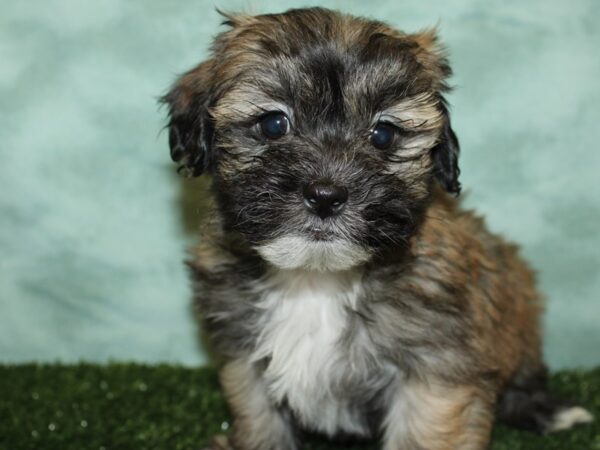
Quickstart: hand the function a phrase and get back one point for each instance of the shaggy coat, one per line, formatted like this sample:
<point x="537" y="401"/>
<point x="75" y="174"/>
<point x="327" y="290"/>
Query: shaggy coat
<point x="341" y="283"/>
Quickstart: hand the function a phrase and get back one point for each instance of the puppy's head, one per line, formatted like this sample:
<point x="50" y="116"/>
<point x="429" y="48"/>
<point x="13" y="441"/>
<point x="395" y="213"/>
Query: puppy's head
<point x="324" y="134"/>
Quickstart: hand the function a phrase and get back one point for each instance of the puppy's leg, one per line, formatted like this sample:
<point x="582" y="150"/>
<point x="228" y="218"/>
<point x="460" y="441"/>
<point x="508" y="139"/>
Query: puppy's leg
<point x="257" y="423"/>
<point x="430" y="416"/>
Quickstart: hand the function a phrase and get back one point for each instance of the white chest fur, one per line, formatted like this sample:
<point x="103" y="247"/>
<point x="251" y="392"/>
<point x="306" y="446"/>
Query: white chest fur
<point x="306" y="316"/>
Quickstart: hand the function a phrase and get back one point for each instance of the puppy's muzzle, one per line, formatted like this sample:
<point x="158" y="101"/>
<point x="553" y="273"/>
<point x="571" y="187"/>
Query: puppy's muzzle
<point x="324" y="199"/>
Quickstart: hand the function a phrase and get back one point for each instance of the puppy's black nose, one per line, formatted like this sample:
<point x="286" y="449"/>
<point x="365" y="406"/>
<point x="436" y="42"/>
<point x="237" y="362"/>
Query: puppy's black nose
<point x="324" y="199"/>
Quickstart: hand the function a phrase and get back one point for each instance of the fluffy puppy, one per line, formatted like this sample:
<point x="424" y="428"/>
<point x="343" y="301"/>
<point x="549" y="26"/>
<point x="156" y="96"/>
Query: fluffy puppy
<point x="346" y="291"/>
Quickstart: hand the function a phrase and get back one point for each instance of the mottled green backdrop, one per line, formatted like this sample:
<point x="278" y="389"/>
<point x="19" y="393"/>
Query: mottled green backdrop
<point x="94" y="222"/>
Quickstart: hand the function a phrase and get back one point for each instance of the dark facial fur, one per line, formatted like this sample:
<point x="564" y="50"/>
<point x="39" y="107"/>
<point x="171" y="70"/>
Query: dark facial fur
<point x="335" y="76"/>
<point x="397" y="316"/>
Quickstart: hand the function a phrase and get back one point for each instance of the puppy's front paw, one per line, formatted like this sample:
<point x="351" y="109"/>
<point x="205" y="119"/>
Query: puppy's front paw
<point x="219" y="442"/>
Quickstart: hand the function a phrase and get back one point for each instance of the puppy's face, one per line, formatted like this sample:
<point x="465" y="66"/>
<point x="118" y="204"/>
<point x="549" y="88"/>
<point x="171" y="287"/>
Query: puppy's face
<point x="324" y="134"/>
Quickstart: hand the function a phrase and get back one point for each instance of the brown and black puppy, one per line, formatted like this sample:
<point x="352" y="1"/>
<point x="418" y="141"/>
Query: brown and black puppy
<point x="342" y="284"/>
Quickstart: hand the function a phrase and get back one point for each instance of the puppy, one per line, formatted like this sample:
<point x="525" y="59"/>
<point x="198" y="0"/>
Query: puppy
<point x="345" y="289"/>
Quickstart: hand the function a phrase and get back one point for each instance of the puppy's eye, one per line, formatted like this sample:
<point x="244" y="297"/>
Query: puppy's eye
<point x="383" y="135"/>
<point x="274" y="125"/>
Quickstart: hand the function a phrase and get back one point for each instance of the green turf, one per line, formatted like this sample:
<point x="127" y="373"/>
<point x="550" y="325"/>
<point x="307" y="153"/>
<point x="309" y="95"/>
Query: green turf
<point x="127" y="406"/>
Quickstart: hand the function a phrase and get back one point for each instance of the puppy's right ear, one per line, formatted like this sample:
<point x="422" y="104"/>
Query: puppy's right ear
<point x="190" y="125"/>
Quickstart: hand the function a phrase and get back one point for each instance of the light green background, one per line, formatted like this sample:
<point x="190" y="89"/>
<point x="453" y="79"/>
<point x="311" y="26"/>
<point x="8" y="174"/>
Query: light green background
<point x="94" y="223"/>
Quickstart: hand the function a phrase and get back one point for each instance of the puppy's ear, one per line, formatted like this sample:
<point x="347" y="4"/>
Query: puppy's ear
<point x="190" y="124"/>
<point x="445" y="155"/>
<point x="433" y="59"/>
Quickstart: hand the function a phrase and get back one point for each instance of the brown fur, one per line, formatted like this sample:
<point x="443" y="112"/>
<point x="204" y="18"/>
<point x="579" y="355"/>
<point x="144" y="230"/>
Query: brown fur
<point x="488" y="333"/>
<point x="498" y="288"/>
<point x="431" y="323"/>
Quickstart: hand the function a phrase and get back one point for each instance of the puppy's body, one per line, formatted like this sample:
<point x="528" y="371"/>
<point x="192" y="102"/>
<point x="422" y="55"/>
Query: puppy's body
<point x="346" y="291"/>
<point x="341" y="349"/>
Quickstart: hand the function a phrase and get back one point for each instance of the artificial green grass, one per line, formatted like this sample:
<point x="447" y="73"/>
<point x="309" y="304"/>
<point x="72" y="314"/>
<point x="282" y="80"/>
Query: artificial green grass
<point x="131" y="406"/>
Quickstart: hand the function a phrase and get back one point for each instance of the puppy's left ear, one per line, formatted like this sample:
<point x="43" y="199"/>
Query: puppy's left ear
<point x="432" y="57"/>
<point x="190" y="124"/>
<point x="445" y="155"/>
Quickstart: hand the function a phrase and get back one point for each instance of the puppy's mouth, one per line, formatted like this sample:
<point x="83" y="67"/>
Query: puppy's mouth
<point x="320" y="234"/>
<point x="305" y="251"/>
